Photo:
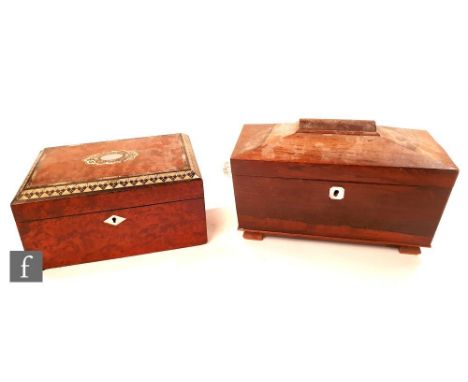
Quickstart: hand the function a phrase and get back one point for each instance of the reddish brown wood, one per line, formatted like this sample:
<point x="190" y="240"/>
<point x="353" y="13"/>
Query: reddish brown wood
<point x="396" y="183"/>
<point x="397" y="214"/>
<point x="410" y="250"/>
<point x="253" y="235"/>
<point x="329" y="238"/>
<point x="84" y="238"/>
<point x="396" y="156"/>
<point x="64" y="164"/>
<point x="348" y="173"/>
<point x="160" y="215"/>
<point x="107" y="201"/>
<point x="337" y="126"/>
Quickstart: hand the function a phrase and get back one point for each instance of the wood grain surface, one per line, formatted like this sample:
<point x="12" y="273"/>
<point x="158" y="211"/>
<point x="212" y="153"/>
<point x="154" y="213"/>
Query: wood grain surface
<point x="396" y="184"/>
<point x="84" y="238"/>
<point x="69" y="227"/>
<point x="65" y="164"/>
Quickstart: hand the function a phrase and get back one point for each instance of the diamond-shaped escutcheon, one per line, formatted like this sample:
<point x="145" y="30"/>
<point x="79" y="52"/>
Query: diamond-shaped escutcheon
<point x="114" y="220"/>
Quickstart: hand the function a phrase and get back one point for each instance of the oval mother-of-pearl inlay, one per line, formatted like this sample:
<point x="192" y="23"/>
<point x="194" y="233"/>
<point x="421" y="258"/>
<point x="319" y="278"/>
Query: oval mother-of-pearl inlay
<point x="111" y="157"/>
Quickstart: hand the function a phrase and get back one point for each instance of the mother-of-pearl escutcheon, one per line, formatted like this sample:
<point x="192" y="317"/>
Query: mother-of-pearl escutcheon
<point x="111" y="157"/>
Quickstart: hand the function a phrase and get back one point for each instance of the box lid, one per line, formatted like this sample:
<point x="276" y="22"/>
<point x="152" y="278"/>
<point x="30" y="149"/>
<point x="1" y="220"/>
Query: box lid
<point x="342" y="150"/>
<point x="97" y="171"/>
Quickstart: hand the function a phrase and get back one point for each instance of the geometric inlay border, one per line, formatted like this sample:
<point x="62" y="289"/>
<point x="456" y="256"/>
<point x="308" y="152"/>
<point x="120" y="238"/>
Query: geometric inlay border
<point x="103" y="185"/>
<point x="113" y="183"/>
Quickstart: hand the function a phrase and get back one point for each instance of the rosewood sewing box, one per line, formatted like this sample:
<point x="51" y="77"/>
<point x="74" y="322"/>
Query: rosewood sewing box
<point x="342" y="180"/>
<point x="111" y="199"/>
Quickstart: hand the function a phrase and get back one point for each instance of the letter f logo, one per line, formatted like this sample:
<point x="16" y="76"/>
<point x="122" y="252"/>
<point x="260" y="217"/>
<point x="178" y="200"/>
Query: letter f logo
<point x="25" y="265"/>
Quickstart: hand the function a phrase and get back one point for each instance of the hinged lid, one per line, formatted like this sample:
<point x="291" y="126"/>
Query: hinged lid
<point x="99" y="170"/>
<point x="342" y="150"/>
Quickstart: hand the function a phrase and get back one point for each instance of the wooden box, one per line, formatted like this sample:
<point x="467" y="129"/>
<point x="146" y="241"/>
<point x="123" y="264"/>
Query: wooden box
<point x="341" y="180"/>
<point x="111" y="199"/>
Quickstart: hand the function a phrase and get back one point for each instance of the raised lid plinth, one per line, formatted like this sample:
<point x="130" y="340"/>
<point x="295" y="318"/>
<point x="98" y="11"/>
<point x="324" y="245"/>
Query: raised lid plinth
<point x="337" y="126"/>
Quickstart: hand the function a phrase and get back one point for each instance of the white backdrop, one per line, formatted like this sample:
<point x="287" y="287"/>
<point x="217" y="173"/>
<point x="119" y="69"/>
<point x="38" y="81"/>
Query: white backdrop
<point x="234" y="310"/>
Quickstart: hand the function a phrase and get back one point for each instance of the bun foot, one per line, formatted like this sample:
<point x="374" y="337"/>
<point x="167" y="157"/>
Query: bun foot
<point x="407" y="250"/>
<point x="252" y="235"/>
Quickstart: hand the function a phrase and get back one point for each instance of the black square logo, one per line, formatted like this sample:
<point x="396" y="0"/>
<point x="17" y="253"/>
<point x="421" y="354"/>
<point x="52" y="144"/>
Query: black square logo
<point x="25" y="266"/>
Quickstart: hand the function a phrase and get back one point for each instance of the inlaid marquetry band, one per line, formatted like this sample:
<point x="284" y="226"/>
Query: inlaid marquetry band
<point x="192" y="172"/>
<point x="109" y="184"/>
<point x="192" y="162"/>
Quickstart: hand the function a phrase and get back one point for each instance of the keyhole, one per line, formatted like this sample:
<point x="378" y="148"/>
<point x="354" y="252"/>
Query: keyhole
<point x="336" y="193"/>
<point x="114" y="219"/>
